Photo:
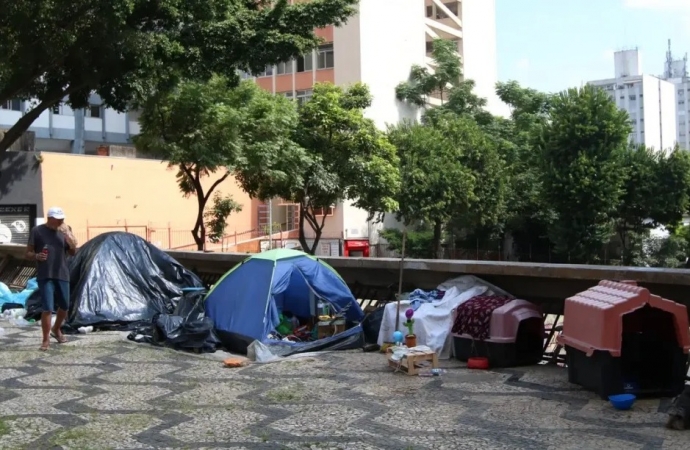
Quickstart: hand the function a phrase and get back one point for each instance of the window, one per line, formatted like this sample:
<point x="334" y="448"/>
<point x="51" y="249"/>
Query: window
<point x="305" y="63"/>
<point x="303" y="96"/>
<point x="325" y="57"/>
<point x="320" y="211"/>
<point x="245" y="75"/>
<point x="633" y="97"/>
<point x="429" y="11"/>
<point x="681" y="102"/>
<point x="268" y="71"/>
<point x="12" y="105"/>
<point x="452" y="7"/>
<point x="429" y="46"/>
<point x="288" y="94"/>
<point x="94" y="111"/>
<point x="284" y="68"/>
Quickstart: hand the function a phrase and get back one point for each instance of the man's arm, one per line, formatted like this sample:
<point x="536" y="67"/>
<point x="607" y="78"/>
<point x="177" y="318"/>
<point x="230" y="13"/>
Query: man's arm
<point x="30" y="251"/>
<point x="70" y="240"/>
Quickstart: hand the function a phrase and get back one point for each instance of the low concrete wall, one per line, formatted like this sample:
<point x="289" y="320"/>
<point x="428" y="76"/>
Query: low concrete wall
<point x="545" y="284"/>
<point x="377" y="278"/>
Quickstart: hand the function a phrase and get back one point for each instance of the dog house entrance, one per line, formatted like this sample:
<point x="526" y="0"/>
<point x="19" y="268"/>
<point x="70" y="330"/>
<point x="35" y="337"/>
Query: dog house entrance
<point x="650" y="352"/>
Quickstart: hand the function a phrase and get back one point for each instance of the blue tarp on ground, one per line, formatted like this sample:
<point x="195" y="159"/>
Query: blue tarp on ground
<point x="19" y="298"/>
<point x="249" y="299"/>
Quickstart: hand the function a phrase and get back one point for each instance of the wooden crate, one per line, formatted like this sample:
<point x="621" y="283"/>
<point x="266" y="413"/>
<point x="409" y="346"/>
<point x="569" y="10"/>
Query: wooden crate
<point x="328" y="329"/>
<point x="412" y="362"/>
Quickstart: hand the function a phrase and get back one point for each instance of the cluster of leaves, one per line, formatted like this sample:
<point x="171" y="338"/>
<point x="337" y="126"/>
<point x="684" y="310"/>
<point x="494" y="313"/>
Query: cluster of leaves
<point x="202" y="128"/>
<point x="315" y="155"/>
<point x="418" y="243"/>
<point x="559" y="173"/>
<point x="126" y="50"/>
<point x="332" y="154"/>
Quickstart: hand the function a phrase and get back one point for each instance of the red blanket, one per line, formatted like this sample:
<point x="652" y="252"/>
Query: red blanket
<point x="474" y="316"/>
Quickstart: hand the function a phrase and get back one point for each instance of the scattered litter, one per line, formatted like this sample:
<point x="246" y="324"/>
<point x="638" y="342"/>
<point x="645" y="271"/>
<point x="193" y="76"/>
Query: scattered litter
<point x="85" y="330"/>
<point x="235" y="362"/>
<point x="20" y="322"/>
<point x="431" y="372"/>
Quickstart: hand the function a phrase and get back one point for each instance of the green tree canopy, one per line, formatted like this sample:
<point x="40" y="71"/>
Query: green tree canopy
<point x="435" y="180"/>
<point x="205" y="128"/>
<point x="582" y="148"/>
<point x="335" y="154"/>
<point x="126" y="49"/>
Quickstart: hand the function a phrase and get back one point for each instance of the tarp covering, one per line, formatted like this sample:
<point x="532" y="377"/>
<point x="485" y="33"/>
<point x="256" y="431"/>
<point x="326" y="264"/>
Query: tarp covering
<point x="121" y="278"/>
<point x="118" y="279"/>
<point x="246" y="303"/>
<point x="433" y="321"/>
<point x="187" y="328"/>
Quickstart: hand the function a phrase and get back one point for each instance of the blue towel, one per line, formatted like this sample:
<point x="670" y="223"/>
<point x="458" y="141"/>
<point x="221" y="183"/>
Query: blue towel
<point x="419" y="296"/>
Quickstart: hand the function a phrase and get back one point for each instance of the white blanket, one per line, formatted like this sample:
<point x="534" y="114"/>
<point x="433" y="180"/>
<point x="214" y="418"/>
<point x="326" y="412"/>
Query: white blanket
<point x="433" y="321"/>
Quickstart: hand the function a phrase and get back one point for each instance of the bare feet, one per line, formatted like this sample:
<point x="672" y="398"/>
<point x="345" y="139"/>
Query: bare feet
<point x="58" y="336"/>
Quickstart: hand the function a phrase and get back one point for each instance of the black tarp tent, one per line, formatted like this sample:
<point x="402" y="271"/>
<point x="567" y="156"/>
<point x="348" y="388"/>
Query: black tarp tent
<point x="119" y="279"/>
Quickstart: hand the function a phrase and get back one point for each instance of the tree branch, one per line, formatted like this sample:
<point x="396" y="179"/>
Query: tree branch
<point x="215" y="185"/>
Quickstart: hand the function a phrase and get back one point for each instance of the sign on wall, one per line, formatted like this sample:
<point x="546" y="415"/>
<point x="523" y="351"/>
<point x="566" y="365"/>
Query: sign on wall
<point x="16" y="222"/>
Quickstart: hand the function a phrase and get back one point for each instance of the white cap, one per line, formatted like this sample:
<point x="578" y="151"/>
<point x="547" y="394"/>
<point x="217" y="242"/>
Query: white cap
<point x="56" y="213"/>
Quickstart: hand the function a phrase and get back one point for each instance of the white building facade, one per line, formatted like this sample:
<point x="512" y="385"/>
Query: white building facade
<point x="650" y="101"/>
<point x="62" y="129"/>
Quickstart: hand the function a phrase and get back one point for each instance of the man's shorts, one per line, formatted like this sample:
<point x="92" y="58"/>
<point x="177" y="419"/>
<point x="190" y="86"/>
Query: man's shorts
<point x="54" y="293"/>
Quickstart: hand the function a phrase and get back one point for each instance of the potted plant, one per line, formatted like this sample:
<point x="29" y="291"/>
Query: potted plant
<point x="411" y="338"/>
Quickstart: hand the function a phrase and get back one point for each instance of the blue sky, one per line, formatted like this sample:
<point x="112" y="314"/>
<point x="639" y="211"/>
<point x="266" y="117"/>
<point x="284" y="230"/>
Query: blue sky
<point x="551" y="45"/>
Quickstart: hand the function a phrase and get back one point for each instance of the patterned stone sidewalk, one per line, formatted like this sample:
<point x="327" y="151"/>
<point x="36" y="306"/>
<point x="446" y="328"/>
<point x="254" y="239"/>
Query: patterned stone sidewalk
<point x="101" y="392"/>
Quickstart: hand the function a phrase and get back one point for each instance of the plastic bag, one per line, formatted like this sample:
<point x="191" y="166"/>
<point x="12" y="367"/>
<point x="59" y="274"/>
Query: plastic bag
<point x="258" y="352"/>
<point x="20" y="322"/>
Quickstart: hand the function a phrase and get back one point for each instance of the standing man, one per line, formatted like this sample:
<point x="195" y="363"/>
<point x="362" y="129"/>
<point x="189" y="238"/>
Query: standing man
<point x="49" y="245"/>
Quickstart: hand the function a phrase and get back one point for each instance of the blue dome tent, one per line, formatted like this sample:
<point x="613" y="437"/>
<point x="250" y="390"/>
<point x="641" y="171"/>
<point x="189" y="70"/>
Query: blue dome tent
<point x="246" y="303"/>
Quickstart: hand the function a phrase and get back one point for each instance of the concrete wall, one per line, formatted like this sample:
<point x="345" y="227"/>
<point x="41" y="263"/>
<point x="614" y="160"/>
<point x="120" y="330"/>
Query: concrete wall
<point x="97" y="190"/>
<point x="20" y="180"/>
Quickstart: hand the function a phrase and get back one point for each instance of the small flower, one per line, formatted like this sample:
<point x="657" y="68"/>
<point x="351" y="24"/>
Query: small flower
<point x="409" y="313"/>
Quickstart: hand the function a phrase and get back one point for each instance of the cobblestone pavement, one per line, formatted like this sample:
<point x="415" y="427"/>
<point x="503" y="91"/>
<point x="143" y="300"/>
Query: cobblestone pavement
<point x="101" y="392"/>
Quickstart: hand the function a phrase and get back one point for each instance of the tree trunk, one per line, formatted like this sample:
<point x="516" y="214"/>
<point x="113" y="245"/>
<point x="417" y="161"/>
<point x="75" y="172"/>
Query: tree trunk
<point x="302" y="236"/>
<point x="436" y="241"/>
<point x="199" y="231"/>
<point x="314" y="225"/>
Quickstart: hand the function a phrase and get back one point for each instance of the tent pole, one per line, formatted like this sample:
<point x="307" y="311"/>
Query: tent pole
<point x="400" y="279"/>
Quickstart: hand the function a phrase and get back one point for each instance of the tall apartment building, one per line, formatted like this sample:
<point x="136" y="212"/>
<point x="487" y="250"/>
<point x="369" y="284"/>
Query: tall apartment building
<point x="472" y="24"/>
<point x="676" y="72"/>
<point x="649" y="100"/>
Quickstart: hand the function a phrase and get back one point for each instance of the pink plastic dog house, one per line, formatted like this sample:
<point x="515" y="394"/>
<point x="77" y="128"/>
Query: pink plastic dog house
<point x="516" y="337"/>
<point x="621" y="338"/>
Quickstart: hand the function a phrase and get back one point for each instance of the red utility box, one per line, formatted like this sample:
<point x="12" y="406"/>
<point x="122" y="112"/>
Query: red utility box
<point x="356" y="248"/>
